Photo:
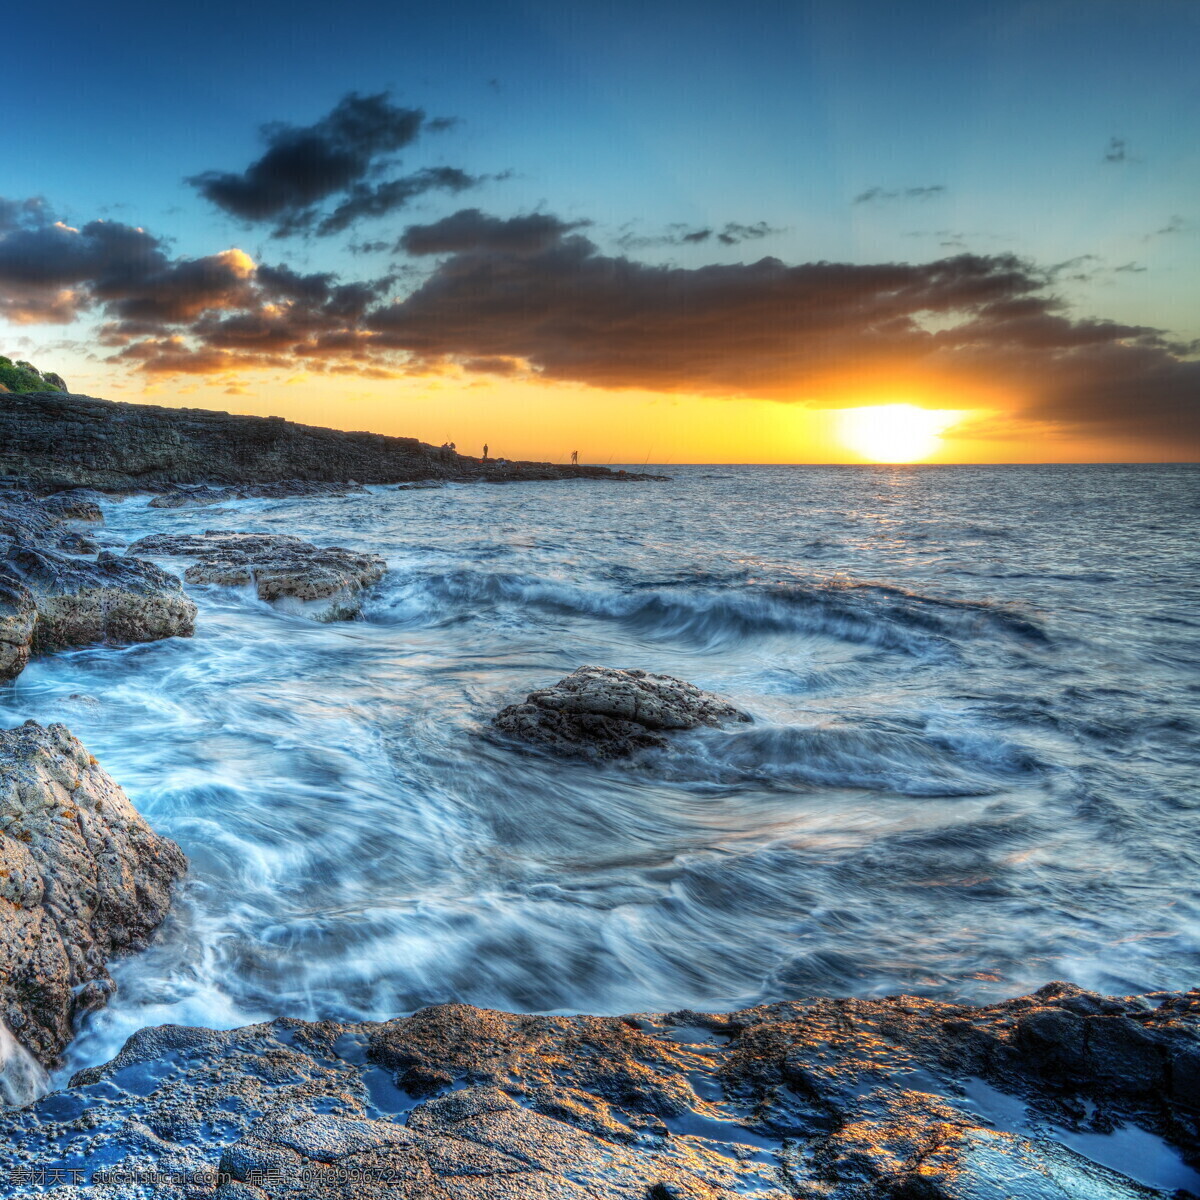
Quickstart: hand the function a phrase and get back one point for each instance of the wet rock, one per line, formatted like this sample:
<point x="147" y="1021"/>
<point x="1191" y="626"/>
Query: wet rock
<point x="50" y="600"/>
<point x="324" y="582"/>
<point x="820" y="1099"/>
<point x="196" y="497"/>
<point x="83" y="878"/>
<point x="77" y="504"/>
<point x="113" y="599"/>
<point x="202" y="495"/>
<point x="601" y="712"/>
<point x="18" y="616"/>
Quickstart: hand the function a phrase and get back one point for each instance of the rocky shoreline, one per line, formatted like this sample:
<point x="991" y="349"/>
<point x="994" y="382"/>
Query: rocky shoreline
<point x="1061" y="1094"/>
<point x="55" y="440"/>
<point x="838" y="1099"/>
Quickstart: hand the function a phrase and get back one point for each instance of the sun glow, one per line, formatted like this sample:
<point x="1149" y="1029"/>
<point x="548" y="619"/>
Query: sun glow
<point x="894" y="433"/>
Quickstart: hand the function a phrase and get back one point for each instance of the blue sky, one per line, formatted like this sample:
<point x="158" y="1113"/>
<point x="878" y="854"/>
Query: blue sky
<point x="984" y="127"/>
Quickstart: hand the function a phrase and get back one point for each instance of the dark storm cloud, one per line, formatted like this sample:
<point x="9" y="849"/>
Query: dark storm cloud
<point x="876" y="194"/>
<point x="334" y="159"/>
<point x="471" y="230"/>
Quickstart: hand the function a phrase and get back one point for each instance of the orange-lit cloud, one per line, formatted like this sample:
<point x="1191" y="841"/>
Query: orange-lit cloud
<point x="532" y="297"/>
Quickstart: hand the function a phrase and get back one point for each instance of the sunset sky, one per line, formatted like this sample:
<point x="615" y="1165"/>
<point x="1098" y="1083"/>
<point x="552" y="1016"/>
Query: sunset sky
<point x="651" y="232"/>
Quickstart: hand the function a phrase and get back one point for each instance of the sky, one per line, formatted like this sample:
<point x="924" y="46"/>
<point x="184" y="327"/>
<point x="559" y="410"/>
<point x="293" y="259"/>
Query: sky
<point x="812" y="231"/>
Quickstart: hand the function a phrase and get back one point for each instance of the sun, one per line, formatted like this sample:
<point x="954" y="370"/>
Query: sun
<point x="894" y="433"/>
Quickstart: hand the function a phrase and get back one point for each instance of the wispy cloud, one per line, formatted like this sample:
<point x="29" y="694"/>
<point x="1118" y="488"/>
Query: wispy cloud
<point x="878" y="195"/>
<point x="729" y="234"/>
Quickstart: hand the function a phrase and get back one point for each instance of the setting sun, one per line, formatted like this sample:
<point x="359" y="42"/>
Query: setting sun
<point x="894" y="433"/>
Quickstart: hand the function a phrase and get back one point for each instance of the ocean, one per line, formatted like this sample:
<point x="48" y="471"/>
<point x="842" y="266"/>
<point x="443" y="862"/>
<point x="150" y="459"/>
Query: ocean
<point x="971" y="770"/>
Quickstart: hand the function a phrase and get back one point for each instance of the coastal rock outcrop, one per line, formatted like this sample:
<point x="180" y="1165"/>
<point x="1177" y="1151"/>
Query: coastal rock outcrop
<point x="901" y="1098"/>
<point x="602" y="712"/>
<point x="53" y="440"/>
<point x="83" y="878"/>
<point x="325" y="582"/>
<point x="51" y="598"/>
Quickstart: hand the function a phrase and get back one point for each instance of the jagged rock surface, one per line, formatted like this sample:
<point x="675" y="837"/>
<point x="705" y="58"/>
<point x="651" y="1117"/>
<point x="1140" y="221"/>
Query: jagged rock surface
<point x="53" y="440"/>
<point x="82" y="878"/>
<point x="602" y="712"/>
<point x="326" y="580"/>
<point x="812" y="1100"/>
<point x="50" y="598"/>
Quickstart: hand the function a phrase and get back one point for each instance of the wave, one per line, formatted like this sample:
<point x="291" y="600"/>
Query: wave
<point x="886" y="617"/>
<point x="872" y="756"/>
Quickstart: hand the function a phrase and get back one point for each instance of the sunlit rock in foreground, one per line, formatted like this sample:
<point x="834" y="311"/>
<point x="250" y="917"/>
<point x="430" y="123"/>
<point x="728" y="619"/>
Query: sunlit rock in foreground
<point x="894" y="1099"/>
<point x="82" y="878"/>
<point x="324" y="582"/>
<point x="601" y="712"/>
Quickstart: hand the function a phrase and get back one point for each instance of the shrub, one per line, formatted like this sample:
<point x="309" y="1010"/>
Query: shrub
<point x="25" y="377"/>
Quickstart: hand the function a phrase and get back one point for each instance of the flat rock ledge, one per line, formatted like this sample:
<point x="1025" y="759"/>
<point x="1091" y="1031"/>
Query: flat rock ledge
<point x="604" y="713"/>
<point x="203" y="495"/>
<point x="895" y="1099"/>
<point x="323" y="582"/>
<point x="83" y="878"/>
<point x="57" y="589"/>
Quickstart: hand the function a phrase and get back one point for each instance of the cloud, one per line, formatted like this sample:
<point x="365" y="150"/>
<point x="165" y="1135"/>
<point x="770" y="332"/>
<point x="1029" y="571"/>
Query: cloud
<point x="472" y="230"/>
<point x="23" y="214"/>
<point x="334" y="160"/>
<point x="52" y="272"/>
<point x="532" y="295"/>
<point x="1174" y="225"/>
<point x="787" y="332"/>
<point x="681" y="235"/>
<point x="874" y="195"/>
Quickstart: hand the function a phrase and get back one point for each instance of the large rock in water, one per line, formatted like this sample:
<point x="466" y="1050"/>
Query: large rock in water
<point x="325" y="582"/>
<point x="602" y="712"/>
<point x="894" y="1099"/>
<point x="51" y="597"/>
<point x="82" y="878"/>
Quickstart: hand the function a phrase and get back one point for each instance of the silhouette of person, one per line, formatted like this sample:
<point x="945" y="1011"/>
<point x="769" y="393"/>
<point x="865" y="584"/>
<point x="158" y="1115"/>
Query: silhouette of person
<point x="485" y="451"/>
<point x="574" y="458"/>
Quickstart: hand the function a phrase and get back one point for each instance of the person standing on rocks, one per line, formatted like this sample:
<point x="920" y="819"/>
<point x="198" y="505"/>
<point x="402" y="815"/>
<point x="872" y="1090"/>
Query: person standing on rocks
<point x="574" y="458"/>
<point x="485" y="451"/>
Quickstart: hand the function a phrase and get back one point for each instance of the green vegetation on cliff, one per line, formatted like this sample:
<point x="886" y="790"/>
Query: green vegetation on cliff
<point x="25" y="377"/>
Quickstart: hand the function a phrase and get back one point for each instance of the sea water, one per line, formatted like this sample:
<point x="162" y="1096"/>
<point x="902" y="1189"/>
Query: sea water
<point x="971" y="768"/>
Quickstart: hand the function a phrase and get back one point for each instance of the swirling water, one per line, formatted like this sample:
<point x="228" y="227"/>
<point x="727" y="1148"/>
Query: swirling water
<point x="971" y="770"/>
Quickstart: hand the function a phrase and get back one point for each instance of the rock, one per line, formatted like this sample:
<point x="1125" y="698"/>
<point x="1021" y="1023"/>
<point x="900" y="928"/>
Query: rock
<point x="57" y="440"/>
<point x="819" y="1099"/>
<point x="18" y="616"/>
<point x="202" y="495"/>
<point x="78" y="504"/>
<point x="114" y="599"/>
<point x="196" y="497"/>
<point x="325" y="582"/>
<point x="601" y="712"/>
<point x="83" y="878"/>
<point x="49" y="600"/>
